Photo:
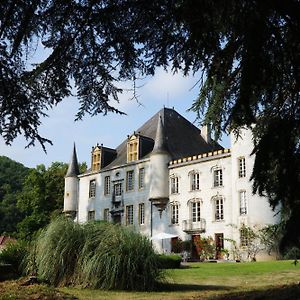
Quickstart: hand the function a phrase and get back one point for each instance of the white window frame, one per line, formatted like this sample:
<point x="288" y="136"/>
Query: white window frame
<point x="92" y="188"/>
<point x="106" y="214"/>
<point x="118" y="189"/>
<point x="91" y="215"/>
<point x="242" y="167"/>
<point x="130" y="180"/>
<point x="218" y="177"/>
<point x="142" y="213"/>
<point x="106" y="185"/>
<point x="174" y="182"/>
<point x="141" y="178"/>
<point x="243" y="203"/>
<point x="219" y="208"/>
<point x="174" y="210"/>
<point x="195" y="207"/>
<point x="195" y="181"/>
<point x="129" y="214"/>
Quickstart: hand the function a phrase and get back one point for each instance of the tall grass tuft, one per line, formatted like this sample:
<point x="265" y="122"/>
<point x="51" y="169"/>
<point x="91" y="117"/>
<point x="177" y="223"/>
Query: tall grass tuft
<point x="57" y="251"/>
<point x="122" y="259"/>
<point x="97" y="255"/>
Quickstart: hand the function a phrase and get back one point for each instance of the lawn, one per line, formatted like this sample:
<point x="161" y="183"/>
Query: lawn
<point x="260" y="280"/>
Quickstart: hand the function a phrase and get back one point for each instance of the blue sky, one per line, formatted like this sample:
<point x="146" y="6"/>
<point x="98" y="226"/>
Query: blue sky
<point x="164" y="89"/>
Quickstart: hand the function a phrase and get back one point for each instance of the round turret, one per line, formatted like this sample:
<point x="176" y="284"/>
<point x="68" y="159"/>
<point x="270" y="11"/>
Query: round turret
<point x="159" y="159"/>
<point x="71" y="187"/>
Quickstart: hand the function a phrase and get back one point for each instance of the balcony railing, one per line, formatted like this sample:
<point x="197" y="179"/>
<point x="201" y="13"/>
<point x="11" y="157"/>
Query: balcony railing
<point x="190" y="227"/>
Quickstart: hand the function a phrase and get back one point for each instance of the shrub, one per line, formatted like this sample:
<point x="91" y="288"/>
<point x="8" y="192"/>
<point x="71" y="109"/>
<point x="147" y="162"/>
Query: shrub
<point x="292" y="253"/>
<point x="13" y="254"/>
<point x="205" y="247"/>
<point x="98" y="255"/>
<point x="169" y="261"/>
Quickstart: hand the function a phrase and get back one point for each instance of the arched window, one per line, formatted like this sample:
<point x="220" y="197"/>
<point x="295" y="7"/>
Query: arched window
<point x="174" y="212"/>
<point x="218" y="203"/>
<point x="174" y="182"/>
<point x="195" y="209"/>
<point x="217" y="176"/>
<point x="194" y="180"/>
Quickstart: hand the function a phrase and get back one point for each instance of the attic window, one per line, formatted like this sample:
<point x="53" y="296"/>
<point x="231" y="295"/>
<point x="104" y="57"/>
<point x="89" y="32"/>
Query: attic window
<point x="96" y="159"/>
<point x="132" y="148"/>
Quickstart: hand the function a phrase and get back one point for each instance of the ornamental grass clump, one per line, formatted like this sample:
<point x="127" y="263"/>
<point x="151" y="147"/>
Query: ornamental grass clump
<point x="122" y="259"/>
<point x="96" y="255"/>
<point x="56" y="252"/>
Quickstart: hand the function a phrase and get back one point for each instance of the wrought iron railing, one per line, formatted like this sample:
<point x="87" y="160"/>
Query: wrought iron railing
<point x="194" y="225"/>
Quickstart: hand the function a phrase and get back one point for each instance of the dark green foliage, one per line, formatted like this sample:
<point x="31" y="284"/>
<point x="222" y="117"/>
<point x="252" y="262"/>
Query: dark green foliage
<point x="98" y="255"/>
<point x="169" y="261"/>
<point x="13" y="254"/>
<point x="292" y="253"/>
<point x="12" y="175"/>
<point x="41" y="197"/>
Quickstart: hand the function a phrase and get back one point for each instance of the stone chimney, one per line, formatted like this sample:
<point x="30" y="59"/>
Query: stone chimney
<point x="206" y="133"/>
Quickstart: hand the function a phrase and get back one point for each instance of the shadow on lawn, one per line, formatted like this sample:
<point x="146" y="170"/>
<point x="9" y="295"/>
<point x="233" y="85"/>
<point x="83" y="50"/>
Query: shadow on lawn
<point x="284" y="292"/>
<point x="167" y="287"/>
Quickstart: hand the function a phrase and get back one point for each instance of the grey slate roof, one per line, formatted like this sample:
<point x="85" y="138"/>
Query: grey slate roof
<point x="73" y="169"/>
<point x="181" y="137"/>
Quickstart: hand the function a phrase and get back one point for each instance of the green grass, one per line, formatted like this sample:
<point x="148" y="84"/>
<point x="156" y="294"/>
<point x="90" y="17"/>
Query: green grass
<point x="223" y="281"/>
<point x="263" y="280"/>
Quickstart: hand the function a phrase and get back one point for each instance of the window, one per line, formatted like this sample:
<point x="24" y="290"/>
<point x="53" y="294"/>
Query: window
<point x="129" y="214"/>
<point x="118" y="189"/>
<point x="243" y="203"/>
<point x="219" y="208"/>
<point x="244" y="236"/>
<point x="106" y="185"/>
<point x="96" y="159"/>
<point x="92" y="190"/>
<point x="91" y="215"/>
<point x="174" y="213"/>
<point x="141" y="178"/>
<point x="218" y="177"/>
<point x="195" y="182"/>
<point x="106" y="214"/>
<point x="132" y="148"/>
<point x="195" y="211"/>
<point x="129" y="180"/>
<point x="242" y="167"/>
<point x="174" y="185"/>
<point x="141" y="213"/>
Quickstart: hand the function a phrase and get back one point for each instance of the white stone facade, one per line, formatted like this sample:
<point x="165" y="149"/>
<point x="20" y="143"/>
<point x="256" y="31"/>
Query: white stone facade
<point x="208" y="193"/>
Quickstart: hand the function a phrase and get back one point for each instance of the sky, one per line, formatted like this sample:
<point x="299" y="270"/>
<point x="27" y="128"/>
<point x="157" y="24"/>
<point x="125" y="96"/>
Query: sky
<point x="164" y="89"/>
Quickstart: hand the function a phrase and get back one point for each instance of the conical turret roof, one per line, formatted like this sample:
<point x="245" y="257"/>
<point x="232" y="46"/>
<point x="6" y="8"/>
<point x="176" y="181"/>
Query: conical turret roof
<point x="160" y="142"/>
<point x="73" y="170"/>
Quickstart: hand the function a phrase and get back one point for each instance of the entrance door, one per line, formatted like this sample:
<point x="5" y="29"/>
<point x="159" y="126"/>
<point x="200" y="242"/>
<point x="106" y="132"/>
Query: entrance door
<point x="195" y="241"/>
<point x="219" y="240"/>
<point x="117" y="219"/>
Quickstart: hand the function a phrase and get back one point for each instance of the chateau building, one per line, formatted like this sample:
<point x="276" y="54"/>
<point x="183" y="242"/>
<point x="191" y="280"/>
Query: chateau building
<point x="169" y="176"/>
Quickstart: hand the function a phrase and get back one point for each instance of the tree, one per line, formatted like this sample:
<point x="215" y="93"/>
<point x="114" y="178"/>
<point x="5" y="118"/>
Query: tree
<point x="12" y="175"/>
<point x="248" y="52"/>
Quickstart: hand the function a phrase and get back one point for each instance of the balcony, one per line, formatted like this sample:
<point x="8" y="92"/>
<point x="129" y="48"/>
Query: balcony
<point x="189" y="226"/>
<point x="116" y="211"/>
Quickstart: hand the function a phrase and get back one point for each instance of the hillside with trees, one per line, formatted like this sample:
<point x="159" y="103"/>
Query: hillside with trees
<point x="12" y="175"/>
<point x="29" y="198"/>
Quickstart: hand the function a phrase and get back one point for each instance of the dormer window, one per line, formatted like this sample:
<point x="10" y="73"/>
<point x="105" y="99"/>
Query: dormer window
<point x="96" y="158"/>
<point x="101" y="157"/>
<point x="133" y="148"/>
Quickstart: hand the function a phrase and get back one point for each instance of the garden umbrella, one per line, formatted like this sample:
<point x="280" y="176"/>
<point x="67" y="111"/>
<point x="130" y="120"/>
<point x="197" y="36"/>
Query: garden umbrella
<point x="162" y="236"/>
